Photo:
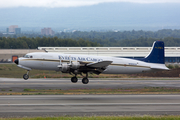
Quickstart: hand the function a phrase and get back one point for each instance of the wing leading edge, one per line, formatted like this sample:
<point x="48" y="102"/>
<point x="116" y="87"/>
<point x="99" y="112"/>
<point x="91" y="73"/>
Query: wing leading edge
<point x="101" y="64"/>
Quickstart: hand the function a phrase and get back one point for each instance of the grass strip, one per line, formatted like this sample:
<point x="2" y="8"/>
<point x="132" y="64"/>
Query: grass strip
<point x="146" y="90"/>
<point x="100" y="118"/>
<point x="12" y="71"/>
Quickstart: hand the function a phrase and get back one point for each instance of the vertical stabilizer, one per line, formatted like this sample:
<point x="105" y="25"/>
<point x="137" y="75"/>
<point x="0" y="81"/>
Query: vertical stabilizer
<point x="157" y="53"/>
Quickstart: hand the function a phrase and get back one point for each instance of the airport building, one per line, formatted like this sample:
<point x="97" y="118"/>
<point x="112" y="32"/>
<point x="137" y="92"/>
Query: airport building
<point x="47" y="31"/>
<point x="13" y="29"/>
<point x="9" y="55"/>
<point x="172" y="54"/>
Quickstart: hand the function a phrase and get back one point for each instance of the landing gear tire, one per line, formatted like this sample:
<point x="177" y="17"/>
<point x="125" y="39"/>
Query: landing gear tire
<point x="25" y="76"/>
<point x="74" y="79"/>
<point x="85" y="80"/>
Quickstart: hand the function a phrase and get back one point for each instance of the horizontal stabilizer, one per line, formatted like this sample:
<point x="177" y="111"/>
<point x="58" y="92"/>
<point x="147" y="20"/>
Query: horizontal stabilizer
<point x="160" y="68"/>
<point x="99" y="64"/>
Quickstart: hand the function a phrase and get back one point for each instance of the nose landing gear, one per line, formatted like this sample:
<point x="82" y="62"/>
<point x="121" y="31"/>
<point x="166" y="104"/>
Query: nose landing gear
<point x="26" y="76"/>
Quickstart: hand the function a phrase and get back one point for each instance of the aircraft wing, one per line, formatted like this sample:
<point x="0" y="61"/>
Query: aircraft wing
<point x="99" y="64"/>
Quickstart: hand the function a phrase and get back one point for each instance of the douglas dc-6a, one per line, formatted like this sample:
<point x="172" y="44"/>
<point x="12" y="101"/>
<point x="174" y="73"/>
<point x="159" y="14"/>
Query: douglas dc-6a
<point x="79" y="64"/>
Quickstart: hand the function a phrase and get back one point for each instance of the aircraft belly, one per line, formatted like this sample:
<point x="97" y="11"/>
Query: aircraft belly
<point x="49" y="65"/>
<point x="115" y="70"/>
<point x="124" y="70"/>
<point x="42" y="65"/>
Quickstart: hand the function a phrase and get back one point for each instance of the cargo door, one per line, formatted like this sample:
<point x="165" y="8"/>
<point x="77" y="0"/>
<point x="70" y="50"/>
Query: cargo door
<point x="14" y="57"/>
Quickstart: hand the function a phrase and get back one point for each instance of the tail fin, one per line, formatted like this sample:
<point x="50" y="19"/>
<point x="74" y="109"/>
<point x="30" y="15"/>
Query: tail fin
<point x="157" y="53"/>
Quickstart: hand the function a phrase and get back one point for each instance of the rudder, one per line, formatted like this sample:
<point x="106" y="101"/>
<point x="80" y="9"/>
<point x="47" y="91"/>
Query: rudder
<point x="157" y="53"/>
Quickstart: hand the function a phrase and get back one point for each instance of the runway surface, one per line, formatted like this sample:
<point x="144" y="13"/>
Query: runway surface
<point x="19" y="84"/>
<point x="87" y="105"/>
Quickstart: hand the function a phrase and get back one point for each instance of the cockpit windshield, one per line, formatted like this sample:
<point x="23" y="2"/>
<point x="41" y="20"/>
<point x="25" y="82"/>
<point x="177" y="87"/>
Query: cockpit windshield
<point x="28" y="56"/>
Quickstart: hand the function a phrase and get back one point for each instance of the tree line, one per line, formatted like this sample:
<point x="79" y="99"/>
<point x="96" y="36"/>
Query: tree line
<point x="33" y="43"/>
<point x="92" y="39"/>
<point x="109" y="35"/>
<point x="120" y="35"/>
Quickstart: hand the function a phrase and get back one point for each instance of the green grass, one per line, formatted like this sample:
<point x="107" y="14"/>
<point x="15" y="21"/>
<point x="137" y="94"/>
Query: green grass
<point x="149" y="90"/>
<point x="100" y="118"/>
<point x="12" y="71"/>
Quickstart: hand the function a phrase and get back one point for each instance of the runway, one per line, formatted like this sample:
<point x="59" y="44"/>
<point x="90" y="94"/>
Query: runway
<point x="87" y="105"/>
<point x="19" y="84"/>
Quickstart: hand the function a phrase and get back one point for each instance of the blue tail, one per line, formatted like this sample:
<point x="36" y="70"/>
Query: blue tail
<point x="157" y="53"/>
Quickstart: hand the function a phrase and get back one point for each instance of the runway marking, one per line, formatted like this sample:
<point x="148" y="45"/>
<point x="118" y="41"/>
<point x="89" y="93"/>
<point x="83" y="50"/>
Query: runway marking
<point x="88" y="96"/>
<point x="89" y="104"/>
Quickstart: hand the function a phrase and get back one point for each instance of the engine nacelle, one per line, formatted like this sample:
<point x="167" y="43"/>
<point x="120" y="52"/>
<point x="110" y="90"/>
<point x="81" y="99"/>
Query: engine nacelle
<point x="65" y="68"/>
<point x="75" y="65"/>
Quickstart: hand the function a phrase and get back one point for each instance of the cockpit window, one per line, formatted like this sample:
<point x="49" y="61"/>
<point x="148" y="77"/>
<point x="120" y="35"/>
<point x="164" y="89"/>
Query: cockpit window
<point x="28" y="56"/>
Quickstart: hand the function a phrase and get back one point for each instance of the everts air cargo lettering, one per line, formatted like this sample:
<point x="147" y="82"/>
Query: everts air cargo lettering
<point x="86" y="64"/>
<point x="80" y="58"/>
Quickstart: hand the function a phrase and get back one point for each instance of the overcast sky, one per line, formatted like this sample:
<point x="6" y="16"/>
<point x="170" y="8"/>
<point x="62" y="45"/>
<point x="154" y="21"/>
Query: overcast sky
<point x="71" y="3"/>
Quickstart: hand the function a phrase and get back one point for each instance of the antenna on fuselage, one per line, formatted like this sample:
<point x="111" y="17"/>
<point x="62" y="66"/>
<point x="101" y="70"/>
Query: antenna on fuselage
<point x="44" y="50"/>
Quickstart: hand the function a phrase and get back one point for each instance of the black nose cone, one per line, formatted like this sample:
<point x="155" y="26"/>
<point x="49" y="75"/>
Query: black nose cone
<point x="16" y="61"/>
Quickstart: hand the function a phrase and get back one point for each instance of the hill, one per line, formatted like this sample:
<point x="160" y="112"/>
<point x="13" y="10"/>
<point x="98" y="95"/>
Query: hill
<point x="123" y="16"/>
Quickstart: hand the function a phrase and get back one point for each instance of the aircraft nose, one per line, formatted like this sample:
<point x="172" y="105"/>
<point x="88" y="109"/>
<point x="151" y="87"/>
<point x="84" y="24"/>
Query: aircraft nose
<point x="16" y="61"/>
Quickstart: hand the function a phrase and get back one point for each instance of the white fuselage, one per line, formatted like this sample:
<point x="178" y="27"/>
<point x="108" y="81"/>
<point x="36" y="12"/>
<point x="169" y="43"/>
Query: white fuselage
<point x="50" y="61"/>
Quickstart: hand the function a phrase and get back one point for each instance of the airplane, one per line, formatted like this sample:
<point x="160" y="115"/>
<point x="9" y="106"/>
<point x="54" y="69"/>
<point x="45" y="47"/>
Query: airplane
<point x="85" y="64"/>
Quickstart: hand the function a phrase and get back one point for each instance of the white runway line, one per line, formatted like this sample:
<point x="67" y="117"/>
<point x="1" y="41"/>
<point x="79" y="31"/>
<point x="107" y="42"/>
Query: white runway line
<point x="89" y="104"/>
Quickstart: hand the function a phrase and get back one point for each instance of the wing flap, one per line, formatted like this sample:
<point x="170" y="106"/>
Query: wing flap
<point x="99" y="64"/>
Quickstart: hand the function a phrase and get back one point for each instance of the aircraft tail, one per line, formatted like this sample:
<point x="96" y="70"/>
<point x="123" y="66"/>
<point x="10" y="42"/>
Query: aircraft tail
<point x="157" y="53"/>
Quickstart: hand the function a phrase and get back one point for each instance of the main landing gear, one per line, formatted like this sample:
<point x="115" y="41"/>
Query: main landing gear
<point x="85" y="80"/>
<point x="74" y="79"/>
<point x="26" y="76"/>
